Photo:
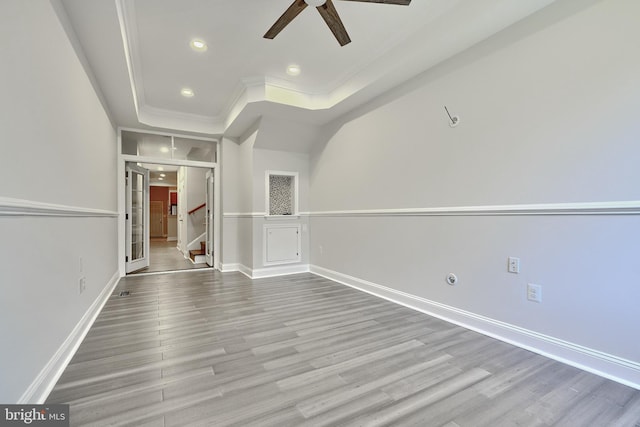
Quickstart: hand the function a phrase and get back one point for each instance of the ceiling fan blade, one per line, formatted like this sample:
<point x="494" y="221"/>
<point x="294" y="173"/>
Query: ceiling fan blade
<point x="331" y="17"/>
<point x="294" y="10"/>
<point x="398" y="2"/>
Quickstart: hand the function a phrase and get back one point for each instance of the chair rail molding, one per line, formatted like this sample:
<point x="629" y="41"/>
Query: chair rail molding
<point x="631" y="207"/>
<point x="21" y="207"/>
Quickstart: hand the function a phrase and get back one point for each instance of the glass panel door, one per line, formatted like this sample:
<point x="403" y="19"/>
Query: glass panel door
<point x="137" y="218"/>
<point x="209" y="218"/>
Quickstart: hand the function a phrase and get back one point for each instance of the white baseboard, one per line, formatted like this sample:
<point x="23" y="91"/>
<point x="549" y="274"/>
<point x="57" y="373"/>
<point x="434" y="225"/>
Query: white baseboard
<point x="603" y="364"/>
<point x="172" y="239"/>
<point x="279" y="271"/>
<point x="261" y="273"/>
<point x="245" y="270"/>
<point x="42" y="385"/>
<point x="229" y="268"/>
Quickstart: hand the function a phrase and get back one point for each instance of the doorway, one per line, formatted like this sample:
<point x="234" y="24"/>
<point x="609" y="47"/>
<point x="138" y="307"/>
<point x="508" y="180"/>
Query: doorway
<point x="171" y="226"/>
<point x="163" y="156"/>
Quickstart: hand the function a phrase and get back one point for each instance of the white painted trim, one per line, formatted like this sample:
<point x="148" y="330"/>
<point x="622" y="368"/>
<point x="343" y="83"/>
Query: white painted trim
<point x="147" y="114"/>
<point x="124" y="158"/>
<point x="265" y="272"/>
<point x="631" y="207"/>
<point x="263" y="215"/>
<point x="229" y="268"/>
<point x="281" y="217"/>
<point x="261" y="273"/>
<point x="20" y="207"/>
<point x="168" y="133"/>
<point x="245" y="270"/>
<point x="244" y="214"/>
<point x="171" y="162"/>
<point x="42" y="385"/>
<point x="156" y="273"/>
<point x="603" y="364"/>
<point x="267" y="199"/>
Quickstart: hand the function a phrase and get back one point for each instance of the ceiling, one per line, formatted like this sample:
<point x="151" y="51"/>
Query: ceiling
<point x="138" y="54"/>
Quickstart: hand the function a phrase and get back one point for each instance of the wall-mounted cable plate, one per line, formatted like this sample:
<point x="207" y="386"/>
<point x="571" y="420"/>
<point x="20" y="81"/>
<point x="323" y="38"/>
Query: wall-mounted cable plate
<point x="452" y="279"/>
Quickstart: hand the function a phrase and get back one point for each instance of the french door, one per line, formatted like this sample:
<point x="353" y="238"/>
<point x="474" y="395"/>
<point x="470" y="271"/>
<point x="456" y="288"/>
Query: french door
<point x="137" y="218"/>
<point x="209" y="216"/>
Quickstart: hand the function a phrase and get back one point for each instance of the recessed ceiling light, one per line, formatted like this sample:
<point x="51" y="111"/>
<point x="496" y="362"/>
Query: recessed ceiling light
<point x="160" y="168"/>
<point x="187" y="93"/>
<point x="198" y="45"/>
<point x="160" y="179"/>
<point x="164" y="149"/>
<point x="162" y="175"/>
<point x="293" y="70"/>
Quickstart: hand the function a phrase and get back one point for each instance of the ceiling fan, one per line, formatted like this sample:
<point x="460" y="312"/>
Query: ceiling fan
<point x="328" y="13"/>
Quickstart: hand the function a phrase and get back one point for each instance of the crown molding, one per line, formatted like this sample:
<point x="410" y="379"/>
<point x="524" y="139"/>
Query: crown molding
<point x="394" y="63"/>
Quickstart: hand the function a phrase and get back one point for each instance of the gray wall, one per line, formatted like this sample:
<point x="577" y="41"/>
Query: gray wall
<point x="243" y="181"/>
<point x="237" y="201"/>
<point x="548" y="115"/>
<point x="265" y="160"/>
<point x="58" y="148"/>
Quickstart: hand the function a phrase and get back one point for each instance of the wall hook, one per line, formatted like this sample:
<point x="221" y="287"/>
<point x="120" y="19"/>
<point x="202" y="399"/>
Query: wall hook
<point x="453" y="120"/>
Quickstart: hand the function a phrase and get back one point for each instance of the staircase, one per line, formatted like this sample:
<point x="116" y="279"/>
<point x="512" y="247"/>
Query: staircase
<point x="198" y="256"/>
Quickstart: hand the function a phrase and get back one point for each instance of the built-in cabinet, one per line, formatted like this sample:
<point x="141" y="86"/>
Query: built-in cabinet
<point x="282" y="244"/>
<point x="281" y="241"/>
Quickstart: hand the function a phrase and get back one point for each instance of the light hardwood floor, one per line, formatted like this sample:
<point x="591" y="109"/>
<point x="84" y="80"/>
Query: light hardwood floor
<point x="164" y="256"/>
<point x="206" y="348"/>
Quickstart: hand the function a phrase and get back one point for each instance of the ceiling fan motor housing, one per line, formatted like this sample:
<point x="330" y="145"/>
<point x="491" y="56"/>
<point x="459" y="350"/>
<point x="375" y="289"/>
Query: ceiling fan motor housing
<point x="328" y="13"/>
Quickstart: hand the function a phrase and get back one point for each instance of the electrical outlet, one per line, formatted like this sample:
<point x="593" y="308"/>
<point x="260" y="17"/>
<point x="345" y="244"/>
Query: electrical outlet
<point x="81" y="263"/>
<point x="321" y="250"/>
<point x="513" y="265"/>
<point x="534" y="292"/>
<point x="82" y="284"/>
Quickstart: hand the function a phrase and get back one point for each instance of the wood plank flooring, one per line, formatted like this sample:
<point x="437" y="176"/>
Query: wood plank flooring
<point x="204" y="348"/>
<point x="163" y="256"/>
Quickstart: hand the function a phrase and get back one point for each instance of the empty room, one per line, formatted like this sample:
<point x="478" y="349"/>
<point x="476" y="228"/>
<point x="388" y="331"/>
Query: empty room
<point x="320" y="212"/>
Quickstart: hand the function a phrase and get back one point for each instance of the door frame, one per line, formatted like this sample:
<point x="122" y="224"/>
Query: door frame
<point x="132" y="265"/>
<point x="211" y="203"/>
<point x="124" y="158"/>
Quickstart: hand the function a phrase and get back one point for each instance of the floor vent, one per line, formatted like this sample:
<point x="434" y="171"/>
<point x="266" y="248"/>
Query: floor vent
<point x="124" y="293"/>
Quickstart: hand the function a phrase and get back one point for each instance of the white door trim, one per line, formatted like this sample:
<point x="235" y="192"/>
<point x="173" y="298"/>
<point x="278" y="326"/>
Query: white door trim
<point x="123" y="158"/>
<point x="139" y="263"/>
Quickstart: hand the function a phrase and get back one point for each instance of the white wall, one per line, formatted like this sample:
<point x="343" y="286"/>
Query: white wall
<point x="550" y="117"/>
<point x="58" y="147"/>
